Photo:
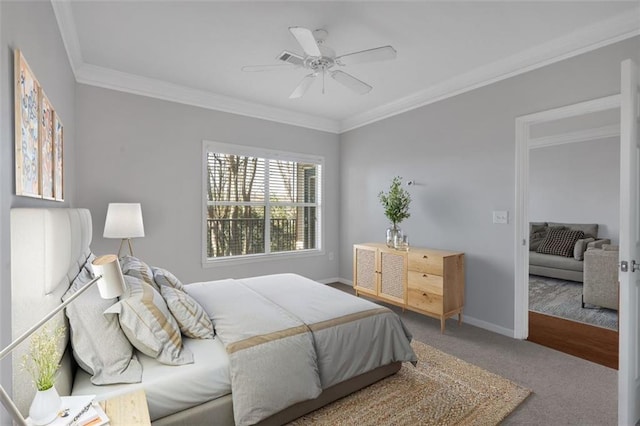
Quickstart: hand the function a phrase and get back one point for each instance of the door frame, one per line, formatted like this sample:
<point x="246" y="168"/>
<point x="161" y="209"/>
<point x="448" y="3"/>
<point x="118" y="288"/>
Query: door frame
<point x="524" y="143"/>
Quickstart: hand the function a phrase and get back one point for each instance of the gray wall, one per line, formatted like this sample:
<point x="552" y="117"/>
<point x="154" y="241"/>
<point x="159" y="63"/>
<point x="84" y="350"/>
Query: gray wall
<point x="32" y="28"/>
<point x="137" y="149"/>
<point x="577" y="183"/>
<point x="461" y="153"/>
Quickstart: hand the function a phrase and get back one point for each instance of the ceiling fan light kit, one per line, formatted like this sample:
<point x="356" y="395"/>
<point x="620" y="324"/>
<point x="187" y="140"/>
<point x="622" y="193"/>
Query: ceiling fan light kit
<point x="321" y="59"/>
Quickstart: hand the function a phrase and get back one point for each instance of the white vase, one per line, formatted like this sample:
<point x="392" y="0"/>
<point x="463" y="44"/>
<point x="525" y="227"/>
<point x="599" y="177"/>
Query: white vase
<point x="45" y="406"/>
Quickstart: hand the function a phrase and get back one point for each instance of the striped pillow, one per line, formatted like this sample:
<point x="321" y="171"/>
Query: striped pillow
<point x="162" y="277"/>
<point x="135" y="267"/>
<point x="148" y="324"/>
<point x="560" y="242"/>
<point x="192" y="319"/>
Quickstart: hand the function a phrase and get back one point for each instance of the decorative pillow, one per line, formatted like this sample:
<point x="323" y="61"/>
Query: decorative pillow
<point x="590" y="229"/>
<point x="536" y="235"/>
<point x="560" y="242"/>
<point x="537" y="227"/>
<point x="148" y="324"/>
<point x="99" y="345"/>
<point x="191" y="317"/>
<point x="163" y="277"/>
<point x="135" y="267"/>
<point x="581" y="247"/>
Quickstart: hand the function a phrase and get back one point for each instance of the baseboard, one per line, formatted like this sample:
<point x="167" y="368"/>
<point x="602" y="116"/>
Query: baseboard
<point x="488" y="326"/>
<point x="467" y="319"/>
<point x="335" y="280"/>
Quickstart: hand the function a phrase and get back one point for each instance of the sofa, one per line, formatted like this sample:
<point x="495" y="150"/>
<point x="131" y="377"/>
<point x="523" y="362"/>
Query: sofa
<point x="557" y="249"/>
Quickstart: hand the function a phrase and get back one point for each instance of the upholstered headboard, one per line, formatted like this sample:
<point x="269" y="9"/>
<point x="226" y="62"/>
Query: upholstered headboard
<point x="48" y="248"/>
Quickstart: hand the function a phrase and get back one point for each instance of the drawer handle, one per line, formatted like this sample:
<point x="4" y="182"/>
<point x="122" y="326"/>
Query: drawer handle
<point x="424" y="294"/>
<point x="424" y="275"/>
<point x="425" y="257"/>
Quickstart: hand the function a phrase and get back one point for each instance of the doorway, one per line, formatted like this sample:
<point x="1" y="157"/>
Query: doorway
<point x="546" y="138"/>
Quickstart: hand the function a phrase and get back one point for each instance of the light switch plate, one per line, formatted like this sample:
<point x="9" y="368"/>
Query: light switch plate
<point x="500" y="216"/>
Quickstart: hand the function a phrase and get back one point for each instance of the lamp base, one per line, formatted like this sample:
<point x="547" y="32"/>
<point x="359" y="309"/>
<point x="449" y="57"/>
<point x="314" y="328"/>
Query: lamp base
<point x="128" y="240"/>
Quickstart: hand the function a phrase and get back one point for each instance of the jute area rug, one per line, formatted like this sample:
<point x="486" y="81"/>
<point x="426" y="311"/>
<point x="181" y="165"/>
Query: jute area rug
<point x="441" y="390"/>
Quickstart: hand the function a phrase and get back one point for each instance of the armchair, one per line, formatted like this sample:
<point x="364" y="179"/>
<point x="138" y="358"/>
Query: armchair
<point x="601" y="277"/>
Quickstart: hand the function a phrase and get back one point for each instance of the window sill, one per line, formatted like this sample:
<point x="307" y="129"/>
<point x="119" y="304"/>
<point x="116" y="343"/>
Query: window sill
<point x="257" y="258"/>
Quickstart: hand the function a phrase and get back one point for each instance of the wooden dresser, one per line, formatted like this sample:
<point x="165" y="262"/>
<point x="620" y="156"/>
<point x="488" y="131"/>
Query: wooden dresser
<point x="423" y="280"/>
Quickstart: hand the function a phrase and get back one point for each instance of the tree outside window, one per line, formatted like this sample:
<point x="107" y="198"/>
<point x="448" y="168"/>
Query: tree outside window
<point x="259" y="204"/>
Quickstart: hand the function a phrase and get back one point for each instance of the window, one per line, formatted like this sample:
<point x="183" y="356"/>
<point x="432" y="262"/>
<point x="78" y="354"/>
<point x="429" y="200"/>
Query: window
<point x="260" y="202"/>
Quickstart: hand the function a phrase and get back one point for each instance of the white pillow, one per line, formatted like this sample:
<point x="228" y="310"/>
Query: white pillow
<point x="99" y="344"/>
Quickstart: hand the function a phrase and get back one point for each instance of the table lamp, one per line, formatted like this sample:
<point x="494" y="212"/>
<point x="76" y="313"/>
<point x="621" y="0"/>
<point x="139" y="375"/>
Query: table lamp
<point x="124" y="221"/>
<point x="110" y="285"/>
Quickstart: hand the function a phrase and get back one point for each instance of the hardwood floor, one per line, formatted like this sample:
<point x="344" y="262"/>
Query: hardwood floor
<point x="596" y="344"/>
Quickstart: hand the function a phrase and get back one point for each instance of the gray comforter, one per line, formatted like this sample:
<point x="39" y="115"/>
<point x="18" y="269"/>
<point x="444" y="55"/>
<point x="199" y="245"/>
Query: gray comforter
<point x="289" y="337"/>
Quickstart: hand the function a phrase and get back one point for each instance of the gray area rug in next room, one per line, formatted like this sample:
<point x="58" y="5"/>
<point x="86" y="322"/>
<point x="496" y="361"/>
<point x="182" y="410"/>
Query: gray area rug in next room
<point x="563" y="299"/>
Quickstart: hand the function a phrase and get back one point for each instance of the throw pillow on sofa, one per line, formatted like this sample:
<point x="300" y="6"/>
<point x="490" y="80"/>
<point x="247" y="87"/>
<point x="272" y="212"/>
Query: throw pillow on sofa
<point x="581" y="247"/>
<point x="560" y="242"/>
<point x="537" y="232"/>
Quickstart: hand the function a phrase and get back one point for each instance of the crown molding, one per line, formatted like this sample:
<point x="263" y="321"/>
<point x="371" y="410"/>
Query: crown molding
<point x="144" y="86"/>
<point x="598" y="35"/>
<point x="601" y="34"/>
<point x="67" y="26"/>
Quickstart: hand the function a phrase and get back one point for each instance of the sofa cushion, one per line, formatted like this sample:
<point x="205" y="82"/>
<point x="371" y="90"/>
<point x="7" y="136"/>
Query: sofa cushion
<point x="590" y="229"/>
<point x="555" y="262"/>
<point x="560" y="242"/>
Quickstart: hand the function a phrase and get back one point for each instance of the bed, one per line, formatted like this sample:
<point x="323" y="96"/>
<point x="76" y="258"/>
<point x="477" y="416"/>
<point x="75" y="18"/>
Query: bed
<point x="284" y="345"/>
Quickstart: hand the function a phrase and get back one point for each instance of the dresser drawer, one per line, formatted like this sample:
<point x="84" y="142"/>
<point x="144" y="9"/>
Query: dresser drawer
<point x="429" y="283"/>
<point x="425" y="262"/>
<point x="425" y="301"/>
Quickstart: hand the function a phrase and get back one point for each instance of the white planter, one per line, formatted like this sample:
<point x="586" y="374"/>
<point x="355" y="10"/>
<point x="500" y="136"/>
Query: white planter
<point x="45" y="406"/>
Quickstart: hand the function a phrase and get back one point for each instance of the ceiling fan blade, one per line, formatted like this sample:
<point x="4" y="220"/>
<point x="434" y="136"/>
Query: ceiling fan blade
<point x="303" y="86"/>
<point x="306" y="40"/>
<point x="290" y="58"/>
<point x="351" y="82"/>
<point x="383" y="53"/>
<point x="270" y="67"/>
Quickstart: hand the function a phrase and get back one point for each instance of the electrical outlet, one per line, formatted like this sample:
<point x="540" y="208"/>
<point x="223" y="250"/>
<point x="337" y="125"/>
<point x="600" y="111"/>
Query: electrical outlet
<point x="500" y="216"/>
<point x="330" y="255"/>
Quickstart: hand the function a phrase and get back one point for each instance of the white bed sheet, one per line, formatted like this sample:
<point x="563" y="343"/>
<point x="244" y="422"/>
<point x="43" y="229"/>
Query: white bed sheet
<point x="171" y="388"/>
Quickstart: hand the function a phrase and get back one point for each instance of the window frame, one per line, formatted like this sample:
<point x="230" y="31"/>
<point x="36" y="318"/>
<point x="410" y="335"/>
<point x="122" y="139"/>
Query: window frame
<point x="268" y="154"/>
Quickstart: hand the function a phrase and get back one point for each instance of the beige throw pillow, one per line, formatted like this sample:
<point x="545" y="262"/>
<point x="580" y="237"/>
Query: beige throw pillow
<point x="162" y="277"/>
<point x="148" y="324"/>
<point x="192" y="319"/>
<point x="135" y="267"/>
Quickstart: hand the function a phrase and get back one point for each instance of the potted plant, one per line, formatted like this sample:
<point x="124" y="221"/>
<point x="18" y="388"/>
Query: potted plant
<point x="396" y="209"/>
<point x="41" y="362"/>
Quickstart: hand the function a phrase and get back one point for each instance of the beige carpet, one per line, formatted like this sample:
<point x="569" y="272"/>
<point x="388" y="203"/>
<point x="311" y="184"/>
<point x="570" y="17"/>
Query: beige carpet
<point x="441" y="390"/>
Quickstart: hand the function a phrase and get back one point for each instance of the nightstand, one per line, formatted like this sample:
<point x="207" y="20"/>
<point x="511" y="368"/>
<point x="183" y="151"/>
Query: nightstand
<point x="128" y="409"/>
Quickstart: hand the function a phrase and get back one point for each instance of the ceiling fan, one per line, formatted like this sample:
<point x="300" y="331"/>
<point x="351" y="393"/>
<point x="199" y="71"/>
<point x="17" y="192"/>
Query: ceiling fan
<point x="321" y="60"/>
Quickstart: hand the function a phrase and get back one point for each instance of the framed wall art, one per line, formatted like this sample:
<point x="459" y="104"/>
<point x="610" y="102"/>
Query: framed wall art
<point x="46" y="147"/>
<point x="58" y="159"/>
<point x="39" y="138"/>
<point x="27" y="96"/>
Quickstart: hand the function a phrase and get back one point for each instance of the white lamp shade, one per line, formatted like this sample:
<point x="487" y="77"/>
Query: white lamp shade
<point x="124" y="220"/>
<point x="112" y="282"/>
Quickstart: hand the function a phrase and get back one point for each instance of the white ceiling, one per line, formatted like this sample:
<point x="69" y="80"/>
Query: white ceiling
<point x="192" y="51"/>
